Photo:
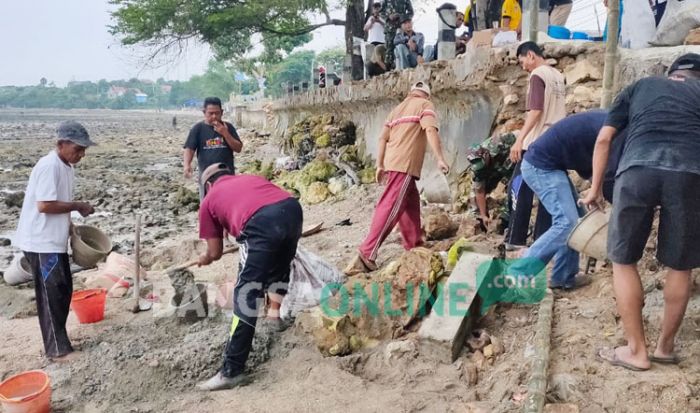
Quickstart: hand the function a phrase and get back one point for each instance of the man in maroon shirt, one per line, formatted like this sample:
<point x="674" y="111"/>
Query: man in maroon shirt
<point x="266" y="222"/>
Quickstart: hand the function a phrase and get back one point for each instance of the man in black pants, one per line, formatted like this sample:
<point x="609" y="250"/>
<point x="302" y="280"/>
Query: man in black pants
<point x="43" y="230"/>
<point x="266" y="222"/>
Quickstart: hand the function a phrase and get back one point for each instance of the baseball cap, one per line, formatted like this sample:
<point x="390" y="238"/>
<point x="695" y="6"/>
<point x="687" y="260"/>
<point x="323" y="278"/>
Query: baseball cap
<point x="75" y="132"/>
<point x="212" y="170"/>
<point x="689" y="61"/>
<point x="405" y="18"/>
<point x="422" y="86"/>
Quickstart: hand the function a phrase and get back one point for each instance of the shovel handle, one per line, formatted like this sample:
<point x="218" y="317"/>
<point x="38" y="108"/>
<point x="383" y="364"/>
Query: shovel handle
<point x="196" y="261"/>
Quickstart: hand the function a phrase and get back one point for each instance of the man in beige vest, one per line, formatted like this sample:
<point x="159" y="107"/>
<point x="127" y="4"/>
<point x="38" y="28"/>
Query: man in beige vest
<point x="546" y="105"/>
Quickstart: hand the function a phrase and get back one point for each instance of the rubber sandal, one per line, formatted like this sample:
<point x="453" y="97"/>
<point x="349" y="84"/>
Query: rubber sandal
<point x="674" y="359"/>
<point x="613" y="360"/>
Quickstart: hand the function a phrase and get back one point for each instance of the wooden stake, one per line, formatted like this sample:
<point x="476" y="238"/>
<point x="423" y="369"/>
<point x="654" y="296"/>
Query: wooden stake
<point x="610" y="53"/>
<point x="537" y="383"/>
<point x="137" y="260"/>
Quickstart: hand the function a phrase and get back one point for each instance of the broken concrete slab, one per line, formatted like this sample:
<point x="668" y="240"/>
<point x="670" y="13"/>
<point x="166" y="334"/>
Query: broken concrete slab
<point x="582" y="71"/>
<point x="456" y="307"/>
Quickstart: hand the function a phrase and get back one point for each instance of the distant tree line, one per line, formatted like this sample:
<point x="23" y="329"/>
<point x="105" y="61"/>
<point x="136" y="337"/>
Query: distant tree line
<point x="219" y="80"/>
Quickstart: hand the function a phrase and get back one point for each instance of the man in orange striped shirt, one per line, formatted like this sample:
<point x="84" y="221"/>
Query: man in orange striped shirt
<point x="409" y="128"/>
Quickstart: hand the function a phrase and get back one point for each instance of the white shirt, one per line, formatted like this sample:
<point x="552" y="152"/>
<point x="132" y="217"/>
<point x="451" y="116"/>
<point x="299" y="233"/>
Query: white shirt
<point x="50" y="180"/>
<point x="376" y="31"/>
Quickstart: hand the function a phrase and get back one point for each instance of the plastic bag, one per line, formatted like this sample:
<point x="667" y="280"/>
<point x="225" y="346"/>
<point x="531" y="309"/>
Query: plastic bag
<point x="638" y="24"/>
<point x="678" y="20"/>
<point x="308" y="276"/>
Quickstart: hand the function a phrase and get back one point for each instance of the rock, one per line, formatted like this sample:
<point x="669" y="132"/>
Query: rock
<point x="478" y="359"/>
<point x="560" y="408"/>
<point x="479" y="340"/>
<point x="439" y="226"/>
<point x="693" y="37"/>
<point x="323" y="141"/>
<point x="398" y="349"/>
<point x="478" y="407"/>
<point x="581" y="71"/>
<point x="562" y="387"/>
<point x="367" y="175"/>
<point x="315" y="193"/>
<point x="316" y="171"/>
<point x="583" y="94"/>
<point x="511" y="99"/>
<point x="488" y="351"/>
<point x="470" y="373"/>
<point x="5" y="242"/>
<point x="336" y="185"/>
<point x="498" y="347"/>
<point x="14" y="199"/>
<point x="186" y="199"/>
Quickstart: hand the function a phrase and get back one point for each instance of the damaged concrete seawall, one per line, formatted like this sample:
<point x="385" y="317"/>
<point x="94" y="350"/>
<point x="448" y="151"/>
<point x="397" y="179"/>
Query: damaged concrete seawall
<point x="477" y="94"/>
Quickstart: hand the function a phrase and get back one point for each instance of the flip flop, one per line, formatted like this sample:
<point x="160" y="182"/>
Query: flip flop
<point x="674" y="359"/>
<point x="610" y="356"/>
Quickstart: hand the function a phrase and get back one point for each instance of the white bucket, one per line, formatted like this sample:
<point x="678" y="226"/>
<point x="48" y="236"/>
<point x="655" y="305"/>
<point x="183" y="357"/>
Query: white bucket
<point x="19" y="271"/>
<point x="590" y="235"/>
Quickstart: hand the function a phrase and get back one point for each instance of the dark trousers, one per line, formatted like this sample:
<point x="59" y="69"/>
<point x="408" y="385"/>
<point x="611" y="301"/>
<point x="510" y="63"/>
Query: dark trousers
<point x="268" y="243"/>
<point x="520" y="198"/>
<point x="53" y="286"/>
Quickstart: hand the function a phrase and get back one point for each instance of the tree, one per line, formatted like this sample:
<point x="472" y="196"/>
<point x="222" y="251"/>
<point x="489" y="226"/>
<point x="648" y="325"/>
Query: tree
<point x="228" y="25"/>
<point x="293" y="70"/>
<point x="332" y="59"/>
<point x="43" y="82"/>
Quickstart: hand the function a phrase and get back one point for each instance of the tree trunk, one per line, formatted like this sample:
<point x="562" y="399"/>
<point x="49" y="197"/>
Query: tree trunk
<point x="354" y="27"/>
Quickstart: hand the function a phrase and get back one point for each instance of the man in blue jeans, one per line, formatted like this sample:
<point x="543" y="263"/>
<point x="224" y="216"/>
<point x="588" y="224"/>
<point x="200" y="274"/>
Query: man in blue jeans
<point x="567" y="145"/>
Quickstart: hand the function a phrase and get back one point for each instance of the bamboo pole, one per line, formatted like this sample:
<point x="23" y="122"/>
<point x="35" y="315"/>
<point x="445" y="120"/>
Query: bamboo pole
<point x="534" y="13"/>
<point x="537" y="383"/>
<point x="610" y="52"/>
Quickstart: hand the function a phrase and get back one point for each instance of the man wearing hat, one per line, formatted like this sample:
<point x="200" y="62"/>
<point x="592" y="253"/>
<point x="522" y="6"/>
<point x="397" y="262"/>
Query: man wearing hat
<point x="659" y="169"/>
<point x="266" y="222"/>
<point x="408" y="45"/>
<point x="43" y="231"/>
<point x="409" y="128"/>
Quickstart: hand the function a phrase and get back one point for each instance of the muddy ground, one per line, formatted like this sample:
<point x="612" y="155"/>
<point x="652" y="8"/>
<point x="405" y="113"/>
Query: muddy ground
<point x="149" y="361"/>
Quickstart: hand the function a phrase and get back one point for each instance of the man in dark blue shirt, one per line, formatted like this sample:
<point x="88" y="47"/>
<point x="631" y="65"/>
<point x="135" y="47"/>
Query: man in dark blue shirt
<point x="567" y="145"/>
<point x="659" y="168"/>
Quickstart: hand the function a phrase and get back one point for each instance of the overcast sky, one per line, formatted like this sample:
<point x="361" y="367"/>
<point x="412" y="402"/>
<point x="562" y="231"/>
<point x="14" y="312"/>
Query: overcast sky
<point x="66" y="40"/>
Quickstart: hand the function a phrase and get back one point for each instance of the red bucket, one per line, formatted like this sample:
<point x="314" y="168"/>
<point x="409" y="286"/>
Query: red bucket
<point x="89" y="305"/>
<point x="28" y="392"/>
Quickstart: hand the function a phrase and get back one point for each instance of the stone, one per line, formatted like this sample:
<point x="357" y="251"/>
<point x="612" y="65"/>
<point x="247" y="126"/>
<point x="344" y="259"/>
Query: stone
<point x="693" y="37"/>
<point x="582" y="71"/>
<point x="449" y="324"/>
<point x="398" y="349"/>
<point x="14" y="199"/>
<point x="511" y="99"/>
<point x="336" y="185"/>
<point x="470" y="373"/>
<point x="560" y="408"/>
<point x="367" y="175"/>
<point x="5" y="242"/>
<point x="478" y="359"/>
<point x="498" y="347"/>
<point x="315" y="193"/>
<point x="584" y="94"/>
<point x="562" y="387"/>
<point x="438" y="225"/>
<point x="488" y="351"/>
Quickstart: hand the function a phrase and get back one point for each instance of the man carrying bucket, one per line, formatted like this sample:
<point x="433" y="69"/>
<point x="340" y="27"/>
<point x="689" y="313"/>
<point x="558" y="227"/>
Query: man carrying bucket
<point x="266" y="222"/>
<point x="567" y="145"/>
<point x="659" y="168"/>
<point x="43" y="231"/>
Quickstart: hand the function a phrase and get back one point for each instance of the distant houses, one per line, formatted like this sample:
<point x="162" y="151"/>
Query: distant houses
<point x="116" y="92"/>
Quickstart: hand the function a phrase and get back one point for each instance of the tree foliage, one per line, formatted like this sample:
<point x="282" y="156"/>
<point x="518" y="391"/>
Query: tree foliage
<point x="226" y="25"/>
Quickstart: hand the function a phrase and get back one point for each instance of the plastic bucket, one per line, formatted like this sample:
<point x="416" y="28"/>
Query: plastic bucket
<point x="590" y="235"/>
<point x="89" y="305"/>
<point x="89" y="245"/>
<point x="558" y="32"/>
<point x="191" y="306"/>
<point x="28" y="392"/>
<point x="19" y="271"/>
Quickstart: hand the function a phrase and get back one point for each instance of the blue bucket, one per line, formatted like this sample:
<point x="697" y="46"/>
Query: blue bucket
<point x="579" y="36"/>
<point x="558" y="32"/>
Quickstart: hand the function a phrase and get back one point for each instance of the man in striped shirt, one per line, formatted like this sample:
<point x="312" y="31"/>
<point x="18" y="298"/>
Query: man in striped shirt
<point x="409" y="128"/>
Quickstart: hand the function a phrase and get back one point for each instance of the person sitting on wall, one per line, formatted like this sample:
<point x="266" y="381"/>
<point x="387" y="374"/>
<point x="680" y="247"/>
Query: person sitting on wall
<point x="376" y="65"/>
<point x="408" y="45"/>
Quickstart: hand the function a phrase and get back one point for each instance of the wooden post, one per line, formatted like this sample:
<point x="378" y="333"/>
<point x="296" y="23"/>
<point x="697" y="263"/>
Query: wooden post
<point x="537" y="383"/>
<point x="137" y="260"/>
<point x="610" y="52"/>
<point x="534" y="13"/>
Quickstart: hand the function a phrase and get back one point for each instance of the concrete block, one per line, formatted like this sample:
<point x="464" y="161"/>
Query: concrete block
<point x="456" y="307"/>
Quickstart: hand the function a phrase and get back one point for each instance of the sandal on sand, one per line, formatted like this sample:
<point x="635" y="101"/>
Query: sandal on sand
<point x="609" y="355"/>
<point x="672" y="359"/>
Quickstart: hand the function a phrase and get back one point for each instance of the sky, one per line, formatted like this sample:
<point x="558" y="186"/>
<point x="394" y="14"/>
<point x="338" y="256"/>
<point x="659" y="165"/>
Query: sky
<point x="64" y="40"/>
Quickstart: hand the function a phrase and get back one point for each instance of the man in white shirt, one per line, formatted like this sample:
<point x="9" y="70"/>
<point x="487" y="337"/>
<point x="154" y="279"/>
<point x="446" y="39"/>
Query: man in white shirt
<point x="43" y="231"/>
<point x="375" y="26"/>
